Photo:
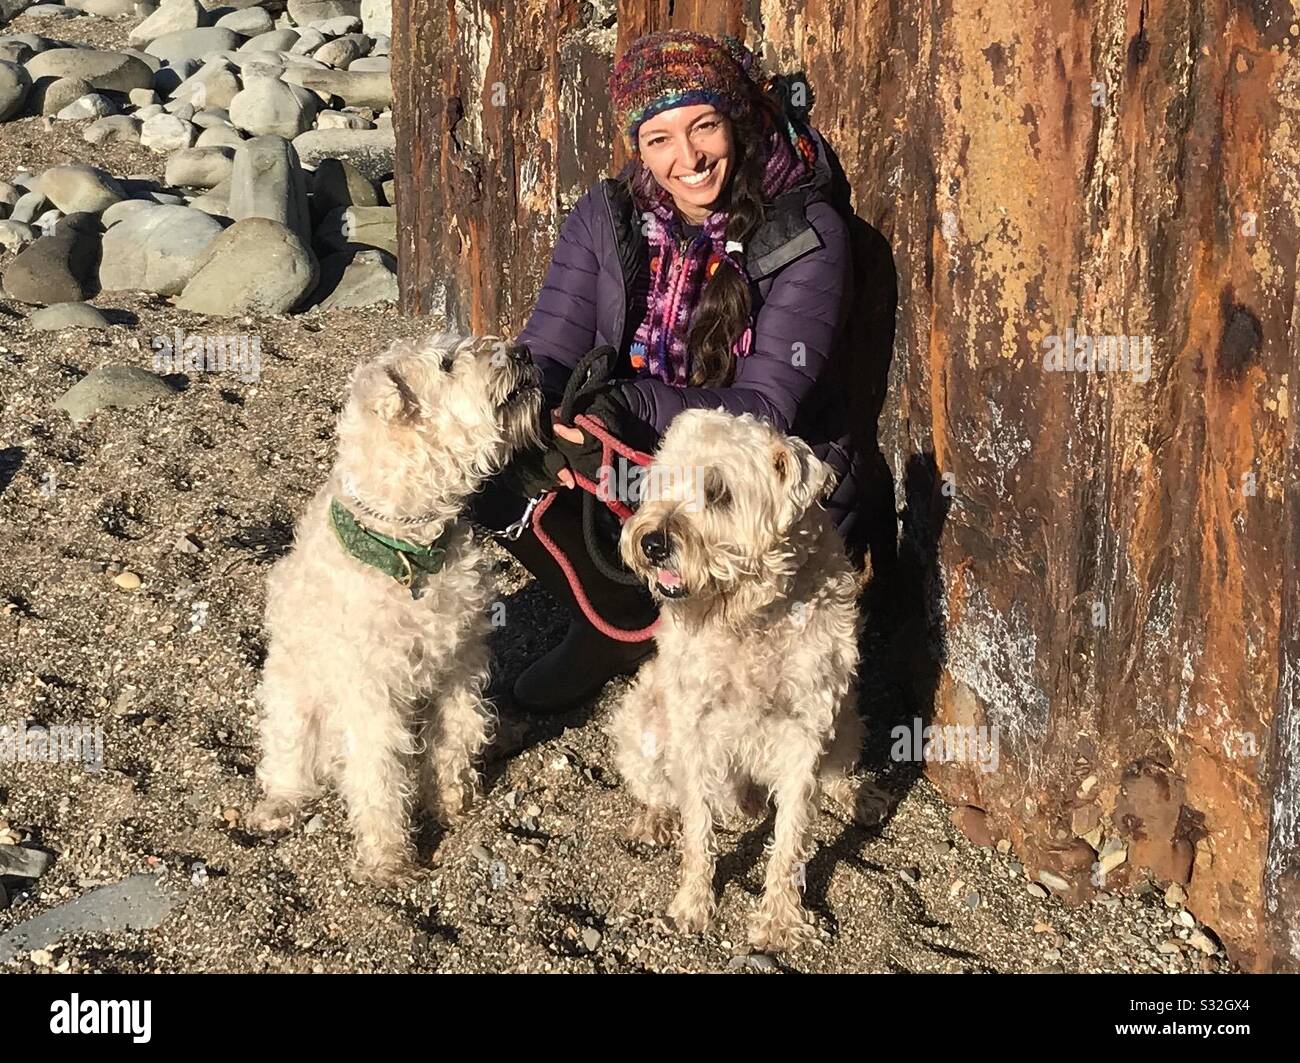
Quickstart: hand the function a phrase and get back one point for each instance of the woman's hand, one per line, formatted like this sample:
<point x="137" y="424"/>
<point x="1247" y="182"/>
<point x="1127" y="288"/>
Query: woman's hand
<point x="573" y="435"/>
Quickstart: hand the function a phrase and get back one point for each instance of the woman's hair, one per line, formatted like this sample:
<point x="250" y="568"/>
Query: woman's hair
<point x="722" y="313"/>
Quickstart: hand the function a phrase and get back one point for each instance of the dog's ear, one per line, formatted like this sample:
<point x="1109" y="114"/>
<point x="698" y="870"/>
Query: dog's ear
<point x="383" y="391"/>
<point x="803" y="475"/>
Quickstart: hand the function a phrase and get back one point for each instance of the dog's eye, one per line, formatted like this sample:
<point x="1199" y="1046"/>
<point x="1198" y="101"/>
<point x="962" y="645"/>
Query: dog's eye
<point x="448" y="360"/>
<point x="715" y="490"/>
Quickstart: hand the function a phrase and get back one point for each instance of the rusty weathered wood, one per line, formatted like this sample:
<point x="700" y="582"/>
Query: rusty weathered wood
<point x="1108" y="563"/>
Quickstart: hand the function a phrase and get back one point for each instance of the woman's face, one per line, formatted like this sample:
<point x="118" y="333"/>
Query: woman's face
<point x="688" y="149"/>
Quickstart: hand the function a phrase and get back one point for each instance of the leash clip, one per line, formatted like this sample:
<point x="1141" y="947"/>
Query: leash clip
<point x="515" y="530"/>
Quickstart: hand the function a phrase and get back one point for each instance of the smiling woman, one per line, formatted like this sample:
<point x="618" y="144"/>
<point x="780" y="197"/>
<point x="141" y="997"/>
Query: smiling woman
<point x="716" y="267"/>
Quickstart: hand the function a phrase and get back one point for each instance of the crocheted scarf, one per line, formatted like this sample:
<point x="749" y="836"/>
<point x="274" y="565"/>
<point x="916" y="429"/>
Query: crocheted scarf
<point x="681" y="266"/>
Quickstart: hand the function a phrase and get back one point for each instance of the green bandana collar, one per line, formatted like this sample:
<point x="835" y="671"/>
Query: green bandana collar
<point x="404" y="561"/>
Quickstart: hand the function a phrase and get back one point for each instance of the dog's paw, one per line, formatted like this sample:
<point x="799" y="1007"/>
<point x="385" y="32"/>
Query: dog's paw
<point x="384" y="870"/>
<point x="780" y="928"/>
<point x="871" y="804"/>
<point x="653" y="826"/>
<point x="692" y="910"/>
<point x="272" y="815"/>
<point x="449" y="805"/>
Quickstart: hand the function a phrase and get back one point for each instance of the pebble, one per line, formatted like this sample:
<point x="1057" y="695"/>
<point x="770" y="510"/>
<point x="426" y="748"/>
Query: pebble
<point x="972" y="899"/>
<point x="1169" y="947"/>
<point x="128" y="581"/>
<point x="1004" y="846"/>
<point x="1175" y="896"/>
<point x="1186" y="918"/>
<point x="591" y="938"/>
<point x="314" y="825"/>
<point x="1035" y="890"/>
<point x="481" y="853"/>
<point x="754" y="961"/>
<point x="910" y="874"/>
<point x="1200" y="941"/>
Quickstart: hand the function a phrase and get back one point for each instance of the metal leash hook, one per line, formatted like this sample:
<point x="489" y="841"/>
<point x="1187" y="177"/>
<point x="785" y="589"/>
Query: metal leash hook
<point x="515" y="530"/>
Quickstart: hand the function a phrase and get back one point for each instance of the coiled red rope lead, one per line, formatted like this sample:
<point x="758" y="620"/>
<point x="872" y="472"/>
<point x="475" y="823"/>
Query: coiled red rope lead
<point x="610" y="445"/>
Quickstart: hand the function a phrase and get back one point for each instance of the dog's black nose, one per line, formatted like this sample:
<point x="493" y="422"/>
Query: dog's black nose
<point x="519" y="352"/>
<point x="654" y="545"/>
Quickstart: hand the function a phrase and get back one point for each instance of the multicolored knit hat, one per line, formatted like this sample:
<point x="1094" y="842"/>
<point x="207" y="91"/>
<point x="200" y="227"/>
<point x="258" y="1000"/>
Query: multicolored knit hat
<point x="676" y="68"/>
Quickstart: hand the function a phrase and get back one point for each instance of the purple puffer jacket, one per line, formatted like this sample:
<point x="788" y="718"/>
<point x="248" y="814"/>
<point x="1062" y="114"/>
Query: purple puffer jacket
<point x="800" y="264"/>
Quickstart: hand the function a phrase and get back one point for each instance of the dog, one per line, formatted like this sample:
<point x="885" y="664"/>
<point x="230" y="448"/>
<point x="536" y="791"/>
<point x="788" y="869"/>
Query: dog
<point x="752" y="691"/>
<point x="377" y="658"/>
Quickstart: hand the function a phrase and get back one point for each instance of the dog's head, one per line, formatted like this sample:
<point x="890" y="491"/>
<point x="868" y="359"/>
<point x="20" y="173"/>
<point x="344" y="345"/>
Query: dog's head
<point x="429" y="420"/>
<point x="720" y="509"/>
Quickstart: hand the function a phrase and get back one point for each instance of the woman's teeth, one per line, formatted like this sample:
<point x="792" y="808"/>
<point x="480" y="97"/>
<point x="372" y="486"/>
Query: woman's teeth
<point x="699" y="178"/>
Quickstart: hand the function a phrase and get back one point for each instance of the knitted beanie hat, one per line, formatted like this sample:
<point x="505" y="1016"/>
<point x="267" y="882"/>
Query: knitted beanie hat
<point x="675" y="68"/>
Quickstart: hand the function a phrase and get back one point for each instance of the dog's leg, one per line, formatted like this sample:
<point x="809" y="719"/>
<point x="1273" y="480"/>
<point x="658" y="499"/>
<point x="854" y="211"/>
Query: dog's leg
<point x="454" y="737"/>
<point x="695" y="904"/>
<point x="780" y="921"/>
<point x="640" y="733"/>
<point x="289" y="731"/>
<point x="857" y="797"/>
<point x="376" y="780"/>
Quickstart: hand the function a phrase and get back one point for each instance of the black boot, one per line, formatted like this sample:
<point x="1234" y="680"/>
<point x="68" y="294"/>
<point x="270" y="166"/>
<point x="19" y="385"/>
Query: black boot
<point x="575" y="671"/>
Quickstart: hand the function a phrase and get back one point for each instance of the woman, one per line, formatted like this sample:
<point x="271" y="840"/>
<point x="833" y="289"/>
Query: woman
<point x="718" y="270"/>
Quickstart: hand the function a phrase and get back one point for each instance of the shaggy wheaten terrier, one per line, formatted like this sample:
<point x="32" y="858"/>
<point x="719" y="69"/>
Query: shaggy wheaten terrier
<point x="752" y="692"/>
<point x="377" y="620"/>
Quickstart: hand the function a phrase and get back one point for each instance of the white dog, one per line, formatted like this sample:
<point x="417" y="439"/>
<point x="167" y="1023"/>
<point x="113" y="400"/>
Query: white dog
<point x="377" y="617"/>
<point x="753" y="686"/>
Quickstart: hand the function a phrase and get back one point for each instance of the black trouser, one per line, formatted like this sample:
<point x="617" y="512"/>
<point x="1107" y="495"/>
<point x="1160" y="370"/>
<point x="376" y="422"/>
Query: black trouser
<point x="623" y="606"/>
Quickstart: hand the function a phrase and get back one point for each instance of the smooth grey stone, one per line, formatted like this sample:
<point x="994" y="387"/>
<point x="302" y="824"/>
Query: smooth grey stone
<point x="75" y="188"/>
<point x="15" y="84"/>
<point x="200" y="167"/>
<point x="123" y="210"/>
<point x="136" y="903"/>
<point x="377" y="17"/>
<point x="357" y="228"/>
<point x="361" y="88"/>
<point x="57" y="268"/>
<point x="91" y="105"/>
<point x="112" y="387"/>
<point x="363" y="278"/>
<point x="156" y="250"/>
<point x="337" y="183"/>
<point x="19" y="860"/>
<point x="171" y="16"/>
<point x="267" y="181"/>
<point x="372" y="63"/>
<point x="308" y="41"/>
<point x="257" y="266"/>
<point x="15" y="235"/>
<point x="192" y="44"/>
<point x="219" y="134"/>
<point x="271" y="41"/>
<point x="248" y="22"/>
<point x="371" y="151"/>
<point x="266" y="106"/>
<point x="103" y="70"/>
<point x="30" y="204"/>
<point x="167" y="133"/>
<point x="67" y="315"/>
<point x="53" y="96"/>
<point x="304" y="11"/>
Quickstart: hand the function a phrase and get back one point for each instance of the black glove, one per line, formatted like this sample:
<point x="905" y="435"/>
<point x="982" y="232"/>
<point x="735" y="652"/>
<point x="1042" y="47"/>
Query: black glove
<point x="610" y="405"/>
<point x="531" y="472"/>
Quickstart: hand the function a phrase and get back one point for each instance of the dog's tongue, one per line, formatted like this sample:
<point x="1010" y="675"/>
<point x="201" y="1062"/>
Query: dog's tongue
<point x="668" y="578"/>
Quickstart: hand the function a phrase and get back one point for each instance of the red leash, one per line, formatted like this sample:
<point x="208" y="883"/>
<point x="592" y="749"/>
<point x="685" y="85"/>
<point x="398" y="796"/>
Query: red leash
<point x="609" y="446"/>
